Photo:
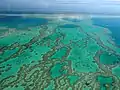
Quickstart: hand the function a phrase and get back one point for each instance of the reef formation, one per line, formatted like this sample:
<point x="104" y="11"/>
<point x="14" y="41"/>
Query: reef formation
<point x="59" y="54"/>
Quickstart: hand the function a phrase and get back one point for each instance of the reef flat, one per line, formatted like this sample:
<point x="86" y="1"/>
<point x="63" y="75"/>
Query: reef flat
<point x="57" y="52"/>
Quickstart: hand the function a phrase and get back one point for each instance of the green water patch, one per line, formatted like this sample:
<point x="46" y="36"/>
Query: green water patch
<point x="108" y="59"/>
<point x="92" y="46"/>
<point x="105" y="82"/>
<point x="8" y="53"/>
<point x="14" y="65"/>
<point x="81" y="60"/>
<point x="51" y="86"/>
<point x="54" y="36"/>
<point x="20" y="37"/>
<point x="68" y="26"/>
<point x="73" y="79"/>
<point x="116" y="71"/>
<point x="8" y="39"/>
<point x="70" y="36"/>
<point x="87" y="88"/>
<point x="34" y="53"/>
<point x="57" y="71"/>
<point x="60" y="53"/>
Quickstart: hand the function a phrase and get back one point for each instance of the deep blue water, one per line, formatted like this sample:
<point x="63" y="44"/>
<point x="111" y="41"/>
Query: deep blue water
<point x="21" y="22"/>
<point x="113" y="24"/>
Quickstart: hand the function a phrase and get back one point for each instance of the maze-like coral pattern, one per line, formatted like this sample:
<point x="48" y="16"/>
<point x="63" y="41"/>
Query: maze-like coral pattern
<point x="58" y="55"/>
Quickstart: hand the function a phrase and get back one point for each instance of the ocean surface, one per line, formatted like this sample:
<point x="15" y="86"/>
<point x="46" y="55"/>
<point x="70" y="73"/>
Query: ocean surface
<point x="113" y="24"/>
<point x="21" y="22"/>
<point x="59" y="52"/>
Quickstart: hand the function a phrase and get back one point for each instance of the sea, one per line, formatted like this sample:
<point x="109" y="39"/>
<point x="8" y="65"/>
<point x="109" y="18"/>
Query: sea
<point x="112" y="23"/>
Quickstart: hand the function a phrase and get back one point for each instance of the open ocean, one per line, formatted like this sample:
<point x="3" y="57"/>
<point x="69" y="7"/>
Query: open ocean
<point x="113" y="24"/>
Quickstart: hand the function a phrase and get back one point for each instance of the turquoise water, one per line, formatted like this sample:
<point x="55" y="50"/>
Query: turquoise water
<point x="47" y="52"/>
<point x="113" y="24"/>
<point x="69" y="26"/>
